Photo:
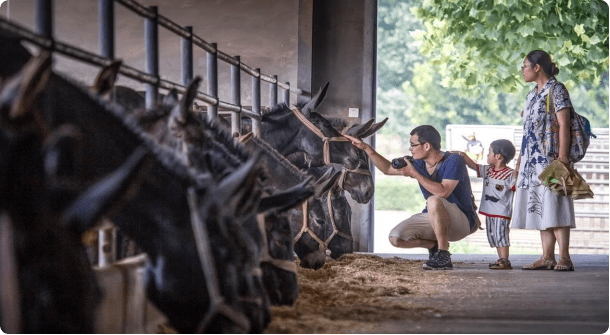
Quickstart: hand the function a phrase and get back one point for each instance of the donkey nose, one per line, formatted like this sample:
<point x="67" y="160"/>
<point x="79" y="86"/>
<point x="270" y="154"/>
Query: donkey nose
<point x="368" y="194"/>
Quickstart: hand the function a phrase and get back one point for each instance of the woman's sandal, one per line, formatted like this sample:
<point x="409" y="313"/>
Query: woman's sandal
<point x="565" y="263"/>
<point x="541" y="264"/>
<point x="501" y="264"/>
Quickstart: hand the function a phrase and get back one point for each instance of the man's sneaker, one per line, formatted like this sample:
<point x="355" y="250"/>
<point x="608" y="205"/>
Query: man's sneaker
<point x="441" y="260"/>
<point x="432" y="250"/>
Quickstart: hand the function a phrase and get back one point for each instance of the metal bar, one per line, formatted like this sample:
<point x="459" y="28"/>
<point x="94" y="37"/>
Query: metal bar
<point x="44" y="18"/>
<point x="256" y="104"/>
<point x="173" y="27"/>
<point x="26" y="34"/>
<point x="273" y="92"/>
<point x="236" y="96"/>
<point x="186" y="51"/>
<point x="106" y="23"/>
<point x="207" y="47"/>
<point x="227" y="59"/>
<point x="212" y="62"/>
<point x="126" y="70"/>
<point x="106" y="246"/>
<point x="151" y="40"/>
<point x="137" y="8"/>
<point x="287" y="95"/>
<point x="45" y="21"/>
<point x="198" y="41"/>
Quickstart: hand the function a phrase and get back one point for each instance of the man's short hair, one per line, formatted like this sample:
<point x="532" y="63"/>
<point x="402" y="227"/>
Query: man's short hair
<point x="504" y="148"/>
<point x="428" y="134"/>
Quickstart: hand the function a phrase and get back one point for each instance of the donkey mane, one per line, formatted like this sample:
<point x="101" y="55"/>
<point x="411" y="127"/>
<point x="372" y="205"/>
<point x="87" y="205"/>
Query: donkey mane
<point x="277" y="109"/>
<point x="166" y="157"/>
<point x="300" y="174"/>
<point x="227" y="138"/>
<point x="335" y="122"/>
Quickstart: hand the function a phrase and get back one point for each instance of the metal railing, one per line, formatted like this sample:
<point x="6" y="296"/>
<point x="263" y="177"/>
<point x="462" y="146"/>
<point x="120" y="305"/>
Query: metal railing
<point x="43" y="38"/>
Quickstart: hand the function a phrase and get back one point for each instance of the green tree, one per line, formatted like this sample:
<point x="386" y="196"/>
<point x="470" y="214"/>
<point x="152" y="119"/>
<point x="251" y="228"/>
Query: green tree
<point x="475" y="42"/>
<point x="416" y="84"/>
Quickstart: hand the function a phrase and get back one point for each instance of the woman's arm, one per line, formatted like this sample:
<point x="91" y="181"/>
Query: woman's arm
<point x="563" y="118"/>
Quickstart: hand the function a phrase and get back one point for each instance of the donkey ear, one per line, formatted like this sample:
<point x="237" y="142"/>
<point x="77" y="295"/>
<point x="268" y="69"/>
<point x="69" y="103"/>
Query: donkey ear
<point x="171" y="99"/>
<point x="30" y="82"/>
<point x="358" y="129"/>
<point x="373" y="129"/>
<point x="315" y="101"/>
<point x="240" y="188"/>
<point x="287" y="199"/>
<point x="327" y="181"/>
<point x="191" y="93"/>
<point x="104" y="82"/>
<point x="95" y="201"/>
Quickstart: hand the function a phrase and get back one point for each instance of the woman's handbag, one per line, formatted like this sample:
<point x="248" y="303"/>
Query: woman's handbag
<point x="580" y="132"/>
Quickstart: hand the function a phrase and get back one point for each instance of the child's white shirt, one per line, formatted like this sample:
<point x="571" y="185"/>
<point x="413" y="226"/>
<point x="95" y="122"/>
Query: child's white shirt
<point x="498" y="191"/>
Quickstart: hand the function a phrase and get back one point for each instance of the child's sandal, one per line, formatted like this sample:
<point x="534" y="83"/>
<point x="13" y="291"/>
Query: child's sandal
<point x="501" y="264"/>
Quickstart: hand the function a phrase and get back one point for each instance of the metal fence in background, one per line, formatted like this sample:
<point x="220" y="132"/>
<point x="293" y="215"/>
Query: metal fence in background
<point x="44" y="38"/>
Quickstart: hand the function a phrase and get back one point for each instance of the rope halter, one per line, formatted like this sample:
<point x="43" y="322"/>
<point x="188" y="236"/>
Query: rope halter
<point x="284" y="264"/>
<point x="326" y="150"/>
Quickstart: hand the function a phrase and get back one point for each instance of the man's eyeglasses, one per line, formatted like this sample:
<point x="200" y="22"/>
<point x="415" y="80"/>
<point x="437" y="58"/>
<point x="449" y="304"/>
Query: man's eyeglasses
<point x="414" y="145"/>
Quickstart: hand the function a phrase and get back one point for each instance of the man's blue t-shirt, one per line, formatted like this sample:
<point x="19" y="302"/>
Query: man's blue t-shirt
<point x="452" y="167"/>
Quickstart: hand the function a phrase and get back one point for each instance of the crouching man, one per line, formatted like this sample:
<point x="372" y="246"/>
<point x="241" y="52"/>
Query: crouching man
<point x="443" y="179"/>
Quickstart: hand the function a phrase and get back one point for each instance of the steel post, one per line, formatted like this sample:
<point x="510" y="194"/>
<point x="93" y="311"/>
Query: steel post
<point x="212" y="62"/>
<point x="236" y="96"/>
<point x="273" y="92"/>
<point x="186" y="51"/>
<point x="106" y="23"/>
<point x="44" y="18"/>
<point x="256" y="103"/>
<point x="151" y="40"/>
<point x="287" y="94"/>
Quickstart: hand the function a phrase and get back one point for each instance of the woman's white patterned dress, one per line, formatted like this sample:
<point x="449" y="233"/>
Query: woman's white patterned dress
<point x="537" y="207"/>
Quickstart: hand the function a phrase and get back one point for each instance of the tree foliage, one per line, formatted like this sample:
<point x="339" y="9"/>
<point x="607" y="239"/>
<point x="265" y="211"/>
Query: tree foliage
<point x="429" y="73"/>
<point x="475" y="42"/>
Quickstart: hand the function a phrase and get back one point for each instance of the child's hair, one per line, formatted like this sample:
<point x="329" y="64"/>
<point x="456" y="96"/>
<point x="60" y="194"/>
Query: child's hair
<point x="504" y="148"/>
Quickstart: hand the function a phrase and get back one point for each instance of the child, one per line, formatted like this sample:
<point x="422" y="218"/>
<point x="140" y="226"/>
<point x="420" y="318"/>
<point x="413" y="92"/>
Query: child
<point x="497" y="197"/>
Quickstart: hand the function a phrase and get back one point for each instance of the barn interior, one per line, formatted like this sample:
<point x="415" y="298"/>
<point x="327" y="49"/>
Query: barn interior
<point x="303" y="44"/>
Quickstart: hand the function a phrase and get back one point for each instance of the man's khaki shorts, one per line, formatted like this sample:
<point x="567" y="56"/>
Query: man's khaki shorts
<point x="418" y="227"/>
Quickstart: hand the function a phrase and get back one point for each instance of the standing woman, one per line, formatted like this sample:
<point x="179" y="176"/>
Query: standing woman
<point x="536" y="206"/>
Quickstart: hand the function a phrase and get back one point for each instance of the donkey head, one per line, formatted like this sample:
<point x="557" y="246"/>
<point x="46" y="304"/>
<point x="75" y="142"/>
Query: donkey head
<point x="230" y="206"/>
<point x="357" y="180"/>
<point x="58" y="289"/>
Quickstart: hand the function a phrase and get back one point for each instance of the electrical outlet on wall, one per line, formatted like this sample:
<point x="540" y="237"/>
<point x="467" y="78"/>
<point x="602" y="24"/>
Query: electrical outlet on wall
<point x="353" y="112"/>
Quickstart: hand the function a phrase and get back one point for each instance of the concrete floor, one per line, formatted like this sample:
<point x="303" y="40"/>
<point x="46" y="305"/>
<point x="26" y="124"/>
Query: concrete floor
<point x="479" y="300"/>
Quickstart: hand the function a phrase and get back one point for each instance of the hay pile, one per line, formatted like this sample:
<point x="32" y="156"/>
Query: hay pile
<point x="356" y="292"/>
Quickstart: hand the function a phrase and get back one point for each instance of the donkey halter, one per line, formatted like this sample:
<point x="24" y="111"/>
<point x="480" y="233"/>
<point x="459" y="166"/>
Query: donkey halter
<point x="327" y="141"/>
<point x="284" y="264"/>
<point x="305" y="227"/>
<point x="204" y="249"/>
<point x="340" y="182"/>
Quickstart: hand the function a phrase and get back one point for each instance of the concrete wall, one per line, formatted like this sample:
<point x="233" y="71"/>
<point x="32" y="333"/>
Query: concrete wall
<point x="337" y="44"/>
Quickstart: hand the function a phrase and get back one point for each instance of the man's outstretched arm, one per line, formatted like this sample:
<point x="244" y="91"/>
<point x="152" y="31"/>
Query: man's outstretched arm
<point x="379" y="161"/>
